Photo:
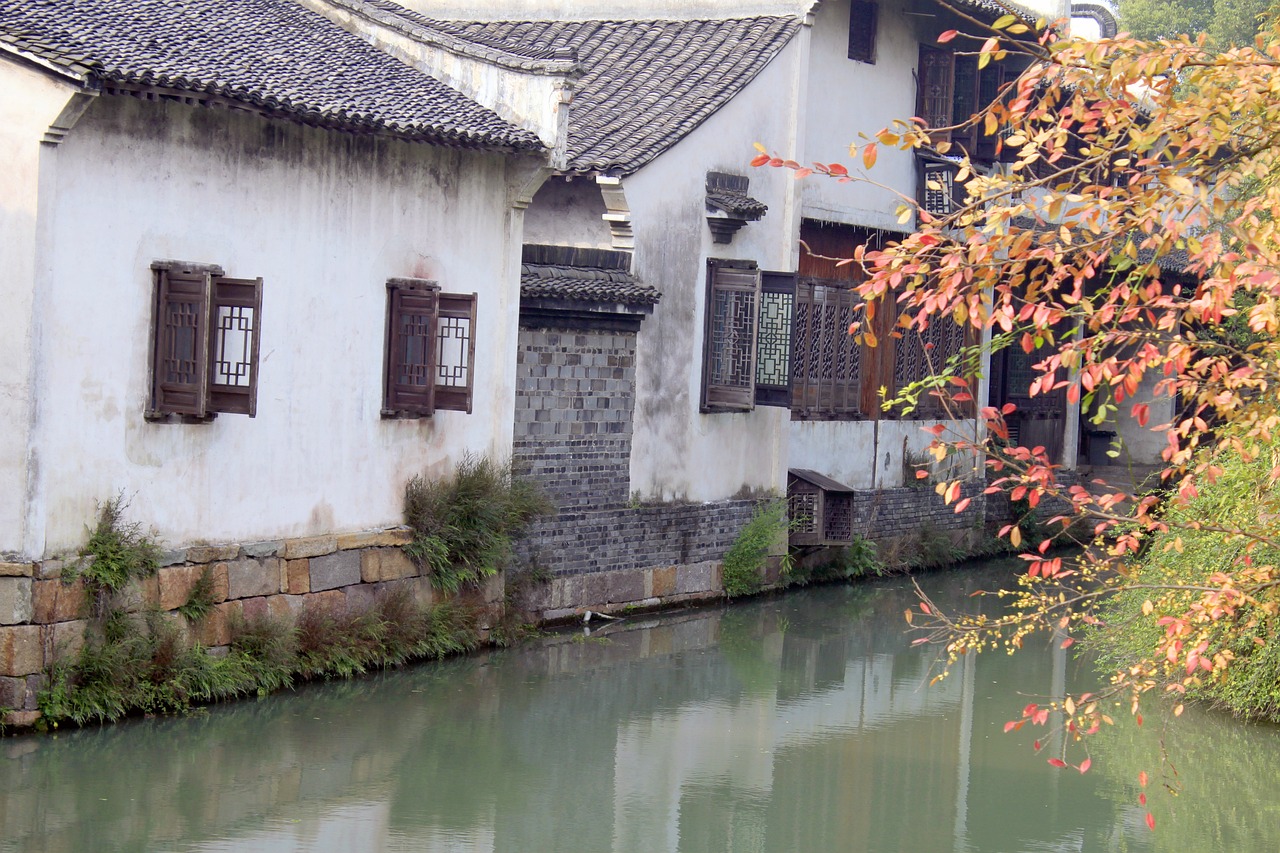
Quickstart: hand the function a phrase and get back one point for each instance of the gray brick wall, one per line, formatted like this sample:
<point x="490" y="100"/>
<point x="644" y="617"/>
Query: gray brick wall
<point x="603" y="540"/>
<point x="575" y="392"/>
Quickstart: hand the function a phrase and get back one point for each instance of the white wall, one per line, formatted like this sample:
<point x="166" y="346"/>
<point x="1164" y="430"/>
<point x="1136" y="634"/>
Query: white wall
<point x="31" y="102"/>
<point x="324" y="218"/>
<point x="678" y="453"/>
<point x="567" y="213"/>
<point x="845" y="98"/>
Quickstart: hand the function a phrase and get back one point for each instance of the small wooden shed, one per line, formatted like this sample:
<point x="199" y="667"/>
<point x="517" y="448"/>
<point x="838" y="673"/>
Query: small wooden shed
<point x="820" y="508"/>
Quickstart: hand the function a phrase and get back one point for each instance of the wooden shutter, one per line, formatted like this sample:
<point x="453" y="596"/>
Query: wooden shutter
<point x="826" y="378"/>
<point x="235" y="320"/>
<point x="935" y="89"/>
<point x="729" y="341"/>
<point x="964" y="101"/>
<point x="408" y="374"/>
<point x="775" y="327"/>
<point x="990" y="82"/>
<point x="455" y="352"/>
<point x="181" y="342"/>
<point x="862" y="30"/>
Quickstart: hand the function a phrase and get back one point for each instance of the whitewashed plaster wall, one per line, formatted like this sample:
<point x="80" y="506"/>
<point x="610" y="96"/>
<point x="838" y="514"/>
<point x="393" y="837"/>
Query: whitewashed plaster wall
<point x="847" y="97"/>
<point x="324" y="218"/>
<point x="567" y="213"/>
<point x="31" y="102"/>
<point x="678" y="453"/>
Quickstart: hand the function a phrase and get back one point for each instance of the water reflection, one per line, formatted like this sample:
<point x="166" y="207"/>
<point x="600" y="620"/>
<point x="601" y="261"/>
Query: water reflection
<point x="794" y="724"/>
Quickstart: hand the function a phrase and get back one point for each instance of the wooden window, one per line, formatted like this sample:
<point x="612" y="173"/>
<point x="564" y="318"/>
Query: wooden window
<point x="863" y="15"/>
<point x="204" y="353"/>
<point x="921" y="354"/>
<point x="747" y="337"/>
<point x="949" y="89"/>
<point x="430" y="349"/>
<point x="827" y="373"/>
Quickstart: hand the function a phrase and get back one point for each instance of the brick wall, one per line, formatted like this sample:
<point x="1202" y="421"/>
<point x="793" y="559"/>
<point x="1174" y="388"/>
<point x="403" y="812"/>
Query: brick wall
<point x="575" y="391"/>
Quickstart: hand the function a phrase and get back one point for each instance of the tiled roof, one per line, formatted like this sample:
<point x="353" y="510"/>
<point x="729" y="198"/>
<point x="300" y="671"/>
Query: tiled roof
<point x="273" y="55"/>
<point x="586" y="275"/>
<point x="992" y="9"/>
<point x="644" y="84"/>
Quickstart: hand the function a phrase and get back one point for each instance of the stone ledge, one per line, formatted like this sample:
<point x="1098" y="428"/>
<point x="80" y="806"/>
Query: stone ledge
<point x="17" y="570"/>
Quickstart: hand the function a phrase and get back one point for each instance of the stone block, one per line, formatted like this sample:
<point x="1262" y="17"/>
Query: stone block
<point x="46" y="569"/>
<point x="698" y="577"/>
<point x="140" y="593"/>
<point x="334" y="570"/>
<point x="311" y="546"/>
<point x="56" y="601"/>
<point x="424" y="593"/>
<point x="495" y="588"/>
<point x="176" y="583"/>
<point x="566" y="592"/>
<point x="63" y="640"/>
<point x="333" y="602"/>
<point x="386" y="564"/>
<point x="360" y="598"/>
<point x="21" y="651"/>
<point x="22" y="719"/>
<point x="16" y="600"/>
<point x="212" y="553"/>
<point x="297" y="576"/>
<point x="12" y="691"/>
<point x="16" y="570"/>
<point x="286" y="607"/>
<point x="252" y="578"/>
<point x="215" y="628"/>
<point x="664" y="581"/>
<point x="391" y="537"/>
<point x="173" y="558"/>
<point x="255" y="609"/>
<point x="258" y="550"/>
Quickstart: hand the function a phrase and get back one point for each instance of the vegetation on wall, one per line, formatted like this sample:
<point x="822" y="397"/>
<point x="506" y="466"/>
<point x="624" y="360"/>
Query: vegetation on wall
<point x="744" y="563"/>
<point x="144" y="663"/>
<point x="464" y="525"/>
<point x="117" y="552"/>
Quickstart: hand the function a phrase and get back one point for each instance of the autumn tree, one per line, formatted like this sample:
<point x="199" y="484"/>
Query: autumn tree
<point x="1118" y="156"/>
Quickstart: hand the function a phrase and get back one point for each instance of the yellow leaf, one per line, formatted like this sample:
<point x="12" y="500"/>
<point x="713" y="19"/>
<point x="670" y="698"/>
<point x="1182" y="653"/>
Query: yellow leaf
<point x="1004" y="21"/>
<point x="853" y="149"/>
<point x="984" y="59"/>
<point x="1015" y="537"/>
<point x="1147" y="607"/>
<point x="1018" y="29"/>
<point x="759" y="147"/>
<point x="1177" y="712"/>
<point x="869" y="154"/>
<point x="1070" y="707"/>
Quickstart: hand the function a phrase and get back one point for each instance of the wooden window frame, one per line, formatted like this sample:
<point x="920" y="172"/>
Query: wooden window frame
<point x="949" y="88"/>
<point x="217" y="311"/>
<point x="863" y="19"/>
<point x="442" y="319"/>
<point x="741" y="285"/>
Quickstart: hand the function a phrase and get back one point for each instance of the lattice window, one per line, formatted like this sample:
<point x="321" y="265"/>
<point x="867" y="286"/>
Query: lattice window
<point x="838" y="517"/>
<point x="430" y="352"/>
<point x="747" y="337"/>
<point x="204" y="356"/>
<point x="827" y="370"/>
<point x="774" y="339"/>
<point x="802" y="512"/>
<point x="922" y="354"/>
<point x="938" y="187"/>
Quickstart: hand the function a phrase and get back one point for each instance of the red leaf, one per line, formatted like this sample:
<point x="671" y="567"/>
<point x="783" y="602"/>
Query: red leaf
<point x="869" y="155"/>
<point x="1068" y="643"/>
<point x="837" y="169"/>
<point x="1142" y="778"/>
<point x="963" y="505"/>
<point x="1151" y="822"/>
<point x="1142" y="799"/>
<point x="1057" y="762"/>
<point x="924" y="608"/>
<point x="1010" y="726"/>
<point x="803" y="173"/>
<point x="1085" y="765"/>
<point x="759" y="159"/>
<point x="948" y="36"/>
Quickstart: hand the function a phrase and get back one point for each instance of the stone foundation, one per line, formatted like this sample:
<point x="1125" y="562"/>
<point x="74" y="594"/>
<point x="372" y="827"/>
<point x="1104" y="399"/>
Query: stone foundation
<point x="44" y="610"/>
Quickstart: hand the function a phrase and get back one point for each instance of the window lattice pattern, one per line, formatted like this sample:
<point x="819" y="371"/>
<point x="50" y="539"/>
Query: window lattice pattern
<point x="180" y="361"/>
<point x="802" y="511"/>
<point x="233" y="346"/>
<point x="453" y="336"/>
<point x="731" y="339"/>
<point x="838" y="520"/>
<point x="773" y="345"/>
<point x="413" y="365"/>
<point x="826" y="375"/>
<point x="939" y="188"/>
<point x="922" y="354"/>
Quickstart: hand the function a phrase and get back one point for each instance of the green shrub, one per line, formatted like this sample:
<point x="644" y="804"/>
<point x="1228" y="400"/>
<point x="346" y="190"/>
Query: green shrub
<point x="464" y="525"/>
<point x="116" y="553"/>
<point x="1182" y="556"/>
<point x="745" y="560"/>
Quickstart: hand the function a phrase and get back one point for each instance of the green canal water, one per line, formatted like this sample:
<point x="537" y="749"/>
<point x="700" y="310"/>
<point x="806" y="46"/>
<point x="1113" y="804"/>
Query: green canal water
<point x="796" y="724"/>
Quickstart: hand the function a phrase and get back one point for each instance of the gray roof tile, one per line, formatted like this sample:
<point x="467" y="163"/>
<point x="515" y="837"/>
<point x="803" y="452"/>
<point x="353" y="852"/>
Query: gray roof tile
<point x="271" y="54"/>
<point x="645" y="84"/>
<point x="582" y="275"/>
